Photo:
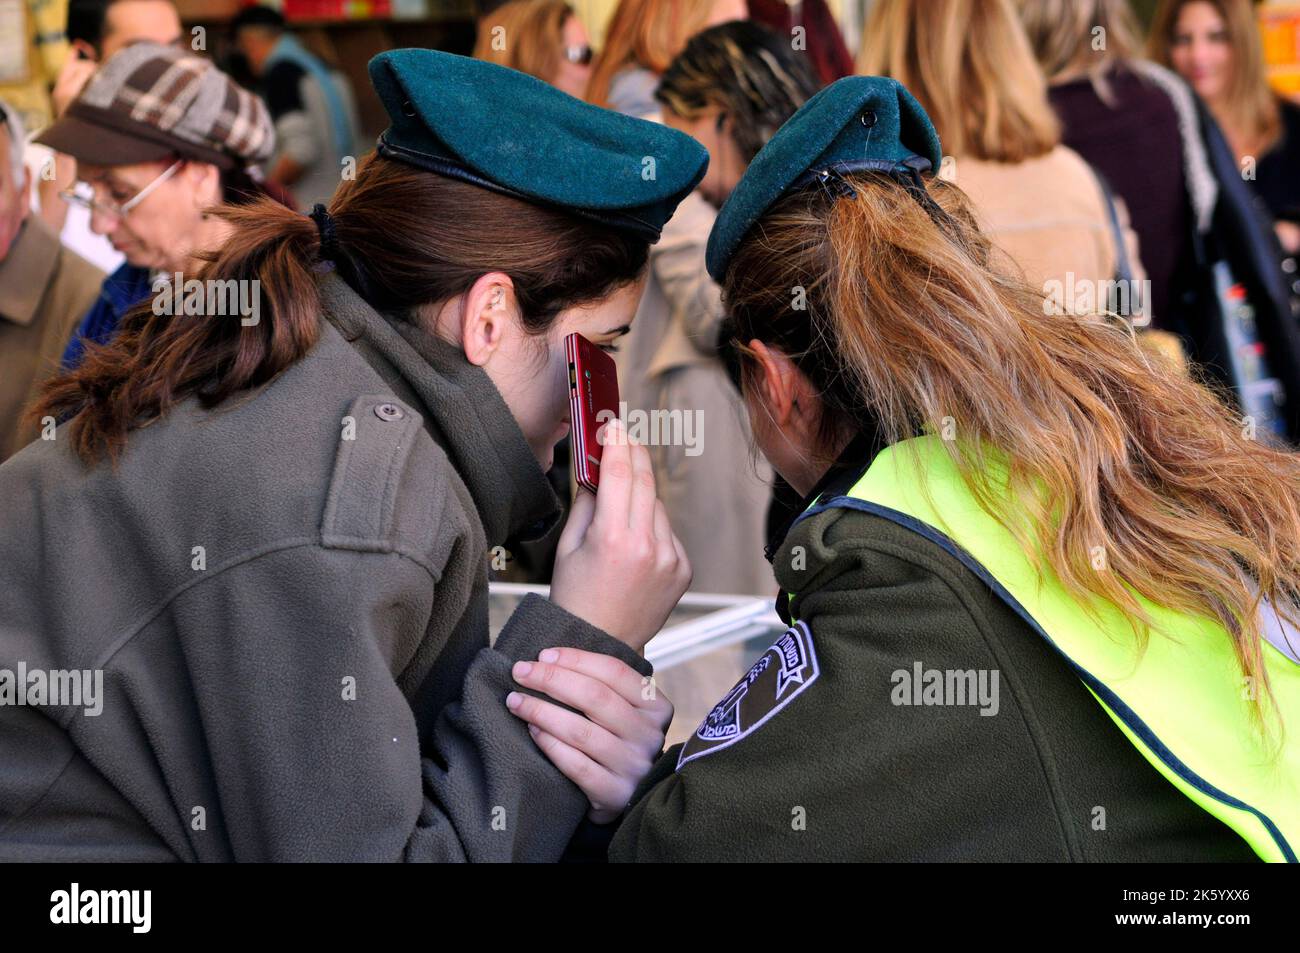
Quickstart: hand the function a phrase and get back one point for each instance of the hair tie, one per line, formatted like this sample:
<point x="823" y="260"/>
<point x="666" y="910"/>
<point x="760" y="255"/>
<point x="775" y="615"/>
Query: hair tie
<point x="325" y="229"/>
<point x="909" y="178"/>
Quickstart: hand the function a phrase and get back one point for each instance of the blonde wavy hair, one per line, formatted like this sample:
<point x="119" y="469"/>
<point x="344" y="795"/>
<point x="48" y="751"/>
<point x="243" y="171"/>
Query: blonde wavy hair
<point x="970" y="65"/>
<point x="1081" y="38"/>
<point x="908" y="323"/>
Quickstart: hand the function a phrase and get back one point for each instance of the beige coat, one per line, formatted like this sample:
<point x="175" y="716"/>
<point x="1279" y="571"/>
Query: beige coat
<point x="716" y="491"/>
<point x="45" y="289"/>
<point x="1048" y="215"/>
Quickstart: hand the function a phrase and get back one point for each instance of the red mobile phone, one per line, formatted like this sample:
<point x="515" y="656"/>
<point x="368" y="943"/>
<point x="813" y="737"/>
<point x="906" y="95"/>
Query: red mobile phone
<point x="593" y="401"/>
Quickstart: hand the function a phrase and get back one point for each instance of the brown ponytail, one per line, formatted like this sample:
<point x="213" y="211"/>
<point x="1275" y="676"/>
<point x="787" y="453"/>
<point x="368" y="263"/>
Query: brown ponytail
<point x="909" y="329"/>
<point x="406" y="238"/>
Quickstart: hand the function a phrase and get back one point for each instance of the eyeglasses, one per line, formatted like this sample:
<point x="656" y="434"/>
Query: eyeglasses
<point x="579" y="55"/>
<point x="112" y="208"/>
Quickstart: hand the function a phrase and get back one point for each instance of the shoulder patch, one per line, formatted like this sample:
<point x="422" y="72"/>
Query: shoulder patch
<point x="780" y="674"/>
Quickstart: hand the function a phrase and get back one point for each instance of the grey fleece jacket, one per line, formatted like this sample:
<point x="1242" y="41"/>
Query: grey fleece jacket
<point x="287" y="599"/>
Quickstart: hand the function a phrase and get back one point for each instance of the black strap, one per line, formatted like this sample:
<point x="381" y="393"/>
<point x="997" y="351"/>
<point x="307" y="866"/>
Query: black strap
<point x="1123" y="267"/>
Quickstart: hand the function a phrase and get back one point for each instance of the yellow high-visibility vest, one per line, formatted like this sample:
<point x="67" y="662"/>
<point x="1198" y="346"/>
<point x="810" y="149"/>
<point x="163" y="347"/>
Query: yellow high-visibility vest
<point x="1182" y="702"/>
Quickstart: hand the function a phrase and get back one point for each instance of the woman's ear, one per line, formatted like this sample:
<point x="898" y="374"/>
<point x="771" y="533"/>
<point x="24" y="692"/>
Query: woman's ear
<point x="791" y="398"/>
<point x="487" y="311"/>
<point x="776" y="381"/>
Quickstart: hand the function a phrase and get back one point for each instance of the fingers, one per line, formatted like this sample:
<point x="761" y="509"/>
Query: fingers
<point x="685" y="572"/>
<point x="669" y="551"/>
<point x="615" y="490"/>
<point x="641" y="513"/>
<point x="578" y="733"/>
<point x="663" y="528"/>
<point x="592" y="697"/>
<point x="580" y="516"/>
<point x="604" y="789"/>
<point x="636" y="689"/>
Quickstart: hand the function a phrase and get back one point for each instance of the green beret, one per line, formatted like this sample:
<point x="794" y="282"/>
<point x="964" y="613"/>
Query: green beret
<point x="856" y="123"/>
<point x="506" y="131"/>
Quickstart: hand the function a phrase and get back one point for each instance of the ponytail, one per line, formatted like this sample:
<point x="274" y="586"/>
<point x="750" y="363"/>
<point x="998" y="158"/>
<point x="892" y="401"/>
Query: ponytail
<point x="400" y="237"/>
<point x="156" y="360"/>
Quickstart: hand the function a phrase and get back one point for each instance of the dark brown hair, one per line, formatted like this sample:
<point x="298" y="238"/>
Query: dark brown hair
<point x="404" y="237"/>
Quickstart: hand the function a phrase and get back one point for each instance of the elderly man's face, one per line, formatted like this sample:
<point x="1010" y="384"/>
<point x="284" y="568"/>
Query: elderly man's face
<point x="13" y="195"/>
<point x="134" y="20"/>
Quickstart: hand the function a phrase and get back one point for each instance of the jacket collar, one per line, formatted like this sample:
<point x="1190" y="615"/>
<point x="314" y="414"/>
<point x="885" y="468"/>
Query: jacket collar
<point x="25" y="271"/>
<point x="463" y="410"/>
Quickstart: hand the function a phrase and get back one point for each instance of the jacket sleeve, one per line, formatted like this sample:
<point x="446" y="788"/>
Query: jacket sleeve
<point x="844" y="771"/>
<point x="313" y="745"/>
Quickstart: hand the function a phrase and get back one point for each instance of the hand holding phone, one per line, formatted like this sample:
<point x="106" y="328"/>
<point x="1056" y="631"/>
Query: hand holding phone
<point x="618" y="564"/>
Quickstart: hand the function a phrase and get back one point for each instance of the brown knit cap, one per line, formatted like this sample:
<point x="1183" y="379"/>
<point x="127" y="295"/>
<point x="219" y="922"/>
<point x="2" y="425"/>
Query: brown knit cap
<point x="150" y="101"/>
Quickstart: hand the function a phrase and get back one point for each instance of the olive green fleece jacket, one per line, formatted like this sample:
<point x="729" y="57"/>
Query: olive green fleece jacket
<point x="844" y="770"/>
<point x="287" y="599"/>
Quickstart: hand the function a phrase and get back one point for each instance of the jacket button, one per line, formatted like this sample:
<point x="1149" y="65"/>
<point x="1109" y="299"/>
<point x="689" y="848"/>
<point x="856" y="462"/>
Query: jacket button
<point x="407" y="108"/>
<point x="388" y="412"/>
<point x="868" y="119"/>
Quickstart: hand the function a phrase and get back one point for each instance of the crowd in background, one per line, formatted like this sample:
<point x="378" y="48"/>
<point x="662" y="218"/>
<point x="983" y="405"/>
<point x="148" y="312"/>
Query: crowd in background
<point x="1094" y="158"/>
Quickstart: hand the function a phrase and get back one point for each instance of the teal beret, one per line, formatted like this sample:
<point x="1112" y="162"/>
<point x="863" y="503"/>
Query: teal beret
<point x="856" y="123"/>
<point x="506" y="131"/>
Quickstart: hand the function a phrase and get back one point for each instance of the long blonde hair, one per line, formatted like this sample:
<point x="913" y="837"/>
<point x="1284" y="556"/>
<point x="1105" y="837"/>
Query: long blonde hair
<point x="1088" y="37"/>
<point x="971" y="67"/>
<point x="1250" y="105"/>
<point x="532" y="37"/>
<point x="645" y="33"/>
<point x="907" y="323"/>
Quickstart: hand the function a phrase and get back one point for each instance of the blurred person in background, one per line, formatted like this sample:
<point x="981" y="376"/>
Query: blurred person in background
<point x="820" y="38"/>
<point x="1114" y="114"/>
<point x="969" y="64"/>
<point x="45" y="288"/>
<point x="543" y="38"/>
<point x="731" y="88"/>
<point x="1215" y="46"/>
<point x="641" y="40"/>
<point x="1211" y="257"/>
<point x="96" y="29"/>
<point x="160" y="136"/>
<point x="311" y="104"/>
<point x="37" y="52"/>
